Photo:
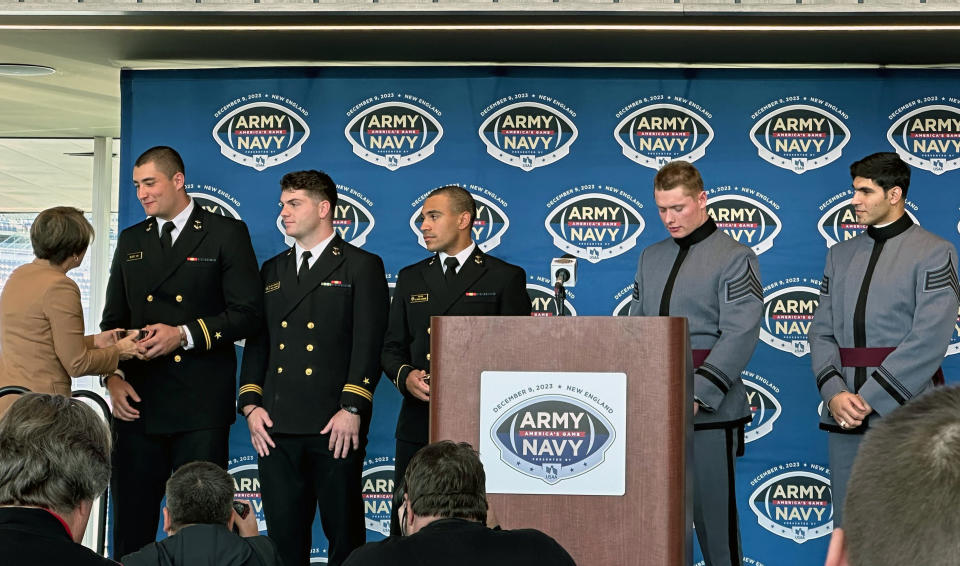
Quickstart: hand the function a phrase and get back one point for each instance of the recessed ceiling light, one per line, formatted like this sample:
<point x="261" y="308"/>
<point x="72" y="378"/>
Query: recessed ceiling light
<point x="18" y="70"/>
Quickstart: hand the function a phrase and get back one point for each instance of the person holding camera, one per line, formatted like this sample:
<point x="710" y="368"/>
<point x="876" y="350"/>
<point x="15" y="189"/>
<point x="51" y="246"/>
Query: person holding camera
<point x="205" y="525"/>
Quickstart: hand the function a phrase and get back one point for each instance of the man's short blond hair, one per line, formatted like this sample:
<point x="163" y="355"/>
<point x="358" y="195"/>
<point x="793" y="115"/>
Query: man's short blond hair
<point x="679" y="174"/>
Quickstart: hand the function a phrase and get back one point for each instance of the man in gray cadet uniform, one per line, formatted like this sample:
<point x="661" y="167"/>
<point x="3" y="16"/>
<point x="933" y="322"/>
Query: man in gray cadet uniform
<point x="703" y="274"/>
<point x="888" y="306"/>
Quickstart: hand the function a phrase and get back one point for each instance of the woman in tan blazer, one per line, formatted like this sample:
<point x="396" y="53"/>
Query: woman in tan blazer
<point x="42" y="344"/>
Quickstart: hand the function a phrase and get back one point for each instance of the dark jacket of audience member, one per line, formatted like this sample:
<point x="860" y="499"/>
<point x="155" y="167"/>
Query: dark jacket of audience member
<point x="199" y="517"/>
<point x="54" y="462"/>
<point x="444" y="514"/>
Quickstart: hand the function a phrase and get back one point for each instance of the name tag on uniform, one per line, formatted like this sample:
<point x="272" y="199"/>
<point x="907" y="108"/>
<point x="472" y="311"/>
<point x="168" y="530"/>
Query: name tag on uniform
<point x="271" y="287"/>
<point x="134" y="256"/>
<point x="420" y="298"/>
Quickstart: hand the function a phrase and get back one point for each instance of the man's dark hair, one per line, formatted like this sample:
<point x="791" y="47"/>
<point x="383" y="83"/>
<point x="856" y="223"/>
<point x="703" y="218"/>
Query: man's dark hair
<point x="315" y="183"/>
<point x="886" y="169"/>
<point x="904" y="489"/>
<point x="199" y="493"/>
<point x="677" y="173"/>
<point x="446" y="479"/>
<point x="60" y="232"/>
<point x="54" y="453"/>
<point x="166" y="159"/>
<point x="460" y="200"/>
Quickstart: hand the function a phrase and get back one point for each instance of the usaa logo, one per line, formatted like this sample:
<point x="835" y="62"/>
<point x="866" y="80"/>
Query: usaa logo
<point x="764" y="406"/>
<point x="377" y="491"/>
<point x="594" y="225"/>
<point x="799" y="137"/>
<point x="261" y="134"/>
<point x="543" y="302"/>
<point x="796" y="504"/>
<point x="489" y="226"/>
<point x="744" y="218"/>
<point x="747" y="561"/>
<point x="954" y="346"/>
<point x="246" y="485"/>
<point x="839" y="223"/>
<point x="393" y="134"/>
<point x="213" y="200"/>
<point x="788" y="312"/>
<point x="552" y="437"/>
<point x="624" y="296"/>
<point x="528" y="135"/>
<point x="352" y="218"/>
<point x="929" y="137"/>
<point x="657" y="134"/>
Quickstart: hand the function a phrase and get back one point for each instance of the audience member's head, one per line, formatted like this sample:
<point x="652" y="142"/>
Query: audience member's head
<point x="904" y="490"/>
<point x="55" y="455"/>
<point x="198" y="493"/>
<point x="444" y="480"/>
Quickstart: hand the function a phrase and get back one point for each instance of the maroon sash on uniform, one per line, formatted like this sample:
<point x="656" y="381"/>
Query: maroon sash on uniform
<point x="873" y="357"/>
<point x="699" y="356"/>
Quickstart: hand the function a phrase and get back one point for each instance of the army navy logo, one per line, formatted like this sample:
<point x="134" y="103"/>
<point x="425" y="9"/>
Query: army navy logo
<point x="552" y="437"/>
<point x="594" y="226"/>
<point x="377" y="491"/>
<point x="393" y="134"/>
<point x="489" y="226"/>
<point x="352" y="218"/>
<point x="213" y="200"/>
<point x="657" y="134"/>
<point x="799" y="137"/>
<point x="528" y="135"/>
<point x="764" y="406"/>
<point x="246" y="485"/>
<point x="261" y="134"/>
<point x="928" y="137"/>
<point x="543" y="303"/>
<point x="788" y="313"/>
<point x="796" y="504"/>
<point x="745" y="219"/>
<point x="839" y="223"/>
<point x="625" y="296"/>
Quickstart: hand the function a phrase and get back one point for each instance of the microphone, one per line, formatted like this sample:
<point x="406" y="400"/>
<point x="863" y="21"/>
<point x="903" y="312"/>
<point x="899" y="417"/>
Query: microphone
<point x="563" y="272"/>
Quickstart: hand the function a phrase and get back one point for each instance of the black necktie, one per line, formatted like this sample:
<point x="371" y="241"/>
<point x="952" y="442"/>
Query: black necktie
<point x="451" y="273"/>
<point x="304" y="266"/>
<point x="166" y="237"/>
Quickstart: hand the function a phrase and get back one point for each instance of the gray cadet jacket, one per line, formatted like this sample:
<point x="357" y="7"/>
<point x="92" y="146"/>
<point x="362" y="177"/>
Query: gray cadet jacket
<point x="716" y="286"/>
<point x="908" y="279"/>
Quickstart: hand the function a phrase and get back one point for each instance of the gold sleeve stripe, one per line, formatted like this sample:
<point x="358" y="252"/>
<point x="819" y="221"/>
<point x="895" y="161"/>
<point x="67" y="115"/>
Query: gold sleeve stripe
<point x="251" y="388"/>
<point x="396" y="380"/>
<point x="356" y="390"/>
<point x="206" y="333"/>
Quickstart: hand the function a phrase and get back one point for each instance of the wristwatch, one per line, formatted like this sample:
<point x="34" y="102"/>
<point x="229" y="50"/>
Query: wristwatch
<point x="350" y="409"/>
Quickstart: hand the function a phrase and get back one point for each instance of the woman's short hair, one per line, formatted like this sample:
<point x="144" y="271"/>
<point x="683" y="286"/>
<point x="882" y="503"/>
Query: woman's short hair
<point x="54" y="453"/>
<point x="59" y="233"/>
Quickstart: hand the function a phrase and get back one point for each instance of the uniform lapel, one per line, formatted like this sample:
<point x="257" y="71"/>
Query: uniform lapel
<point x="327" y="263"/>
<point x="193" y="233"/>
<point x="433" y="277"/>
<point x="288" y="275"/>
<point x="472" y="269"/>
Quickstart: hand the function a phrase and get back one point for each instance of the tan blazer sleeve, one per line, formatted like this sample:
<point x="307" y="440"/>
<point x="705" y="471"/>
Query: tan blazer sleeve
<point x="62" y="307"/>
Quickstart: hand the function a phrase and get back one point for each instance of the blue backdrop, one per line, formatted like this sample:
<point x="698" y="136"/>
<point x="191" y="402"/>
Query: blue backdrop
<point x="562" y="161"/>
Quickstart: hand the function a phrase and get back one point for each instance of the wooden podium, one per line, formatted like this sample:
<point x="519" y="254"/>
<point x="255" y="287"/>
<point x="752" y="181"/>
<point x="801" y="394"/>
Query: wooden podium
<point x="650" y="525"/>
